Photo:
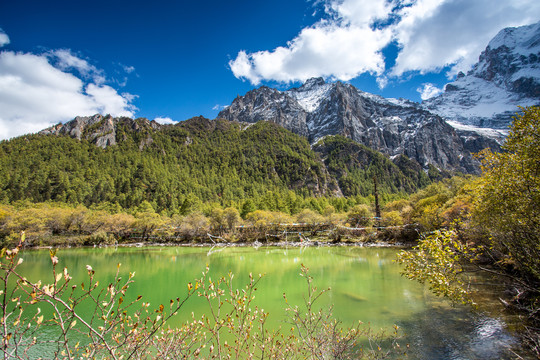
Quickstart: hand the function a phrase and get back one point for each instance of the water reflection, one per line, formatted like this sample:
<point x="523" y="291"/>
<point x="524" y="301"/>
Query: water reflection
<point x="442" y="332"/>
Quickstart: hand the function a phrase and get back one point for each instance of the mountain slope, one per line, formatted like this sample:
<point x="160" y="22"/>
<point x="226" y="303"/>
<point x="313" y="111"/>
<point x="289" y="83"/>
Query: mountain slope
<point x="124" y="162"/>
<point x="507" y="75"/>
<point x="354" y="166"/>
<point x="168" y="165"/>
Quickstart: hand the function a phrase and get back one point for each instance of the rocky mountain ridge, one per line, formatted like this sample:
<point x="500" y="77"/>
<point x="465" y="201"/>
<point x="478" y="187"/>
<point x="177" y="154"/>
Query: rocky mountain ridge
<point x="393" y="127"/>
<point x="102" y="129"/>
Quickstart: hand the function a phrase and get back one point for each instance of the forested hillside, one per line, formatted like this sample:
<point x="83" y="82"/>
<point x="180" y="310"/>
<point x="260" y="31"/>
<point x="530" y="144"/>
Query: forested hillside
<point x="355" y="165"/>
<point x="176" y="168"/>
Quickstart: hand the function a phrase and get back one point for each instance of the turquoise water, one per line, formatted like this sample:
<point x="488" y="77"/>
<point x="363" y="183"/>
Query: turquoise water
<point x="365" y="286"/>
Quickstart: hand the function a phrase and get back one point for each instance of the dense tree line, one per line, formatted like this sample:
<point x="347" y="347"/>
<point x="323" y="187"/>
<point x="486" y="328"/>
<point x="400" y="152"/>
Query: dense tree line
<point x="182" y="168"/>
<point x="59" y="224"/>
<point x="355" y="165"/>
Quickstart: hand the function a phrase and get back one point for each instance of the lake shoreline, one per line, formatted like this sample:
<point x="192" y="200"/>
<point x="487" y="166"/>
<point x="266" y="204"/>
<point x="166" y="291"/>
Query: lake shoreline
<point x="256" y="244"/>
<point x="404" y="237"/>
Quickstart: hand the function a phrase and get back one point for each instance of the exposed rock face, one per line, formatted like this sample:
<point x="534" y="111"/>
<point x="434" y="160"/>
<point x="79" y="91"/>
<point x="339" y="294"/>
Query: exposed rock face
<point x="101" y="130"/>
<point x="266" y="103"/>
<point x="393" y="127"/>
<point x="506" y="76"/>
<point x="74" y="128"/>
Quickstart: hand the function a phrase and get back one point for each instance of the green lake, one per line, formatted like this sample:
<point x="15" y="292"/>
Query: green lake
<point x="365" y="285"/>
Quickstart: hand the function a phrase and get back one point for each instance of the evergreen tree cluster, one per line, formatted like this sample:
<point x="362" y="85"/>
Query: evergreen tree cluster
<point x="355" y="165"/>
<point x="181" y="168"/>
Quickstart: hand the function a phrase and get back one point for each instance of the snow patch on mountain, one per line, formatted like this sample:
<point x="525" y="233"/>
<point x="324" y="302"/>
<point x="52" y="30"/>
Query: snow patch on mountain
<point x="471" y="97"/>
<point x="490" y="133"/>
<point x="310" y="95"/>
<point x="372" y="97"/>
<point x="402" y="102"/>
<point x="520" y="39"/>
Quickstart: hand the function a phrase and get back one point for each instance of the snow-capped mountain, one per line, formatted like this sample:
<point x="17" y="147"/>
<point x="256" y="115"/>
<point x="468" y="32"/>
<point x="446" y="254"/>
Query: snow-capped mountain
<point x="394" y="127"/>
<point x="506" y="76"/>
<point x="473" y="113"/>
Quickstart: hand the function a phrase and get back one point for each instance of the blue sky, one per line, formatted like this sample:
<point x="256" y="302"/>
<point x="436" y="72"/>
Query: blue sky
<point x="179" y="59"/>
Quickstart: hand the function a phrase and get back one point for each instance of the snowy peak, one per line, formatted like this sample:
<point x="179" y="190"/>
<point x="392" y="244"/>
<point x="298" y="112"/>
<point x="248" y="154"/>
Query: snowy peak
<point x="310" y="94"/>
<point x="512" y="59"/>
<point x="507" y="75"/>
<point x="523" y="40"/>
<point x="312" y="83"/>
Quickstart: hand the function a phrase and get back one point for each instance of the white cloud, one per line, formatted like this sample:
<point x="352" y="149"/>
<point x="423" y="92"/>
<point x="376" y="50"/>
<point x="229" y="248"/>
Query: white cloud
<point x="64" y="60"/>
<point x="428" y="91"/>
<point x="128" y="69"/>
<point x="382" y="81"/>
<point x="438" y="33"/>
<point x="431" y="35"/>
<point x="164" y="120"/>
<point x="361" y="12"/>
<point x="4" y="39"/>
<point x="324" y="50"/>
<point x="107" y="101"/>
<point x="340" y="48"/>
<point x="34" y="94"/>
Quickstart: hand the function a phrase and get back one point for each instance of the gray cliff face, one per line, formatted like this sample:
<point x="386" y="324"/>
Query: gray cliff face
<point x="74" y="128"/>
<point x="507" y="75"/>
<point x="342" y="109"/>
<point x="101" y="130"/>
<point x="268" y="104"/>
<point x="391" y="126"/>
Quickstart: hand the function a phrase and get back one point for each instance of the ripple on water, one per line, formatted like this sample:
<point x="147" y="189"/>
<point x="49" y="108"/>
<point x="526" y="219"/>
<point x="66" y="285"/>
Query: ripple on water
<point x="442" y="333"/>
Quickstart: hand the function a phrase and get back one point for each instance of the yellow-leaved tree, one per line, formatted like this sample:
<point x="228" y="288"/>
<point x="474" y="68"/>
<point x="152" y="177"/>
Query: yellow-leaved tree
<point x="507" y="205"/>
